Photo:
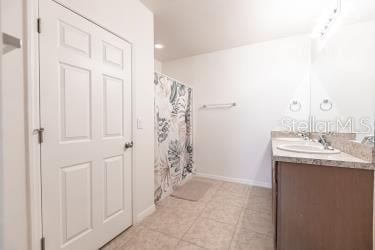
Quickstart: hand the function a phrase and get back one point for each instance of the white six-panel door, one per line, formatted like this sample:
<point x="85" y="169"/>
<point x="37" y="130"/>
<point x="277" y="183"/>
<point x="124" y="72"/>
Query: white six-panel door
<point x="85" y="105"/>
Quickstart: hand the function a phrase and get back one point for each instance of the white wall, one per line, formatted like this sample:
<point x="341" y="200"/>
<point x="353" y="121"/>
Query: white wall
<point x="262" y="78"/>
<point x="131" y="20"/>
<point x="158" y="66"/>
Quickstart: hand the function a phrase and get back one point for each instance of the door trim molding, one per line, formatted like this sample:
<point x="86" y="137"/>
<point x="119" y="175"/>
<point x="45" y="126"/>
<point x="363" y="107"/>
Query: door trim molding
<point x="32" y="107"/>
<point x="34" y="196"/>
<point x="1" y="144"/>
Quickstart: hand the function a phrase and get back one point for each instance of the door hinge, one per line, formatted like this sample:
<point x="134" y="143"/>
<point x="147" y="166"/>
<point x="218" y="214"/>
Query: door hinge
<point x="39" y="23"/>
<point x="43" y="243"/>
<point x="40" y="135"/>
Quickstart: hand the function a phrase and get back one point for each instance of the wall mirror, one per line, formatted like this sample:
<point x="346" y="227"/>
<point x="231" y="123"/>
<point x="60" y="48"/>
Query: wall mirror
<point x="342" y="74"/>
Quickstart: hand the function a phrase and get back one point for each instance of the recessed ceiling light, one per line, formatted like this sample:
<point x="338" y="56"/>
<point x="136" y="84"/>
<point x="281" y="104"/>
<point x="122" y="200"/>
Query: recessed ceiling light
<point x="159" y="46"/>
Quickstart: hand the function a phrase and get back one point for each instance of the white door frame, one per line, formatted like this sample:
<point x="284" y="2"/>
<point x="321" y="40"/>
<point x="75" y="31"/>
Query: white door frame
<point x="1" y="141"/>
<point x="33" y="151"/>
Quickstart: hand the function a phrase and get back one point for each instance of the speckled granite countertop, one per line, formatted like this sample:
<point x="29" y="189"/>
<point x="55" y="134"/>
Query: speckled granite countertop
<point x="334" y="160"/>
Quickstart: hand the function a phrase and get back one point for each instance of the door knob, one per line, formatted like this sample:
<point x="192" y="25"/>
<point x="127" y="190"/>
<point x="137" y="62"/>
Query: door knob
<point x="129" y="145"/>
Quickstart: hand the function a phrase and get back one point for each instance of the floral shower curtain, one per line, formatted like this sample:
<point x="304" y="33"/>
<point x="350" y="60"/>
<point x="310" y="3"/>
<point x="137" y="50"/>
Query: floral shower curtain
<point x="173" y="134"/>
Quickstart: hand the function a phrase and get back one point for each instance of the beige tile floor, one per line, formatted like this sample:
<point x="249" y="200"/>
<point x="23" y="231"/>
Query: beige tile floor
<point x="229" y="216"/>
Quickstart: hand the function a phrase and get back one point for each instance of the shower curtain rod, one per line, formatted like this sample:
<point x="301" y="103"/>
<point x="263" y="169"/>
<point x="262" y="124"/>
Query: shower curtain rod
<point x="174" y="79"/>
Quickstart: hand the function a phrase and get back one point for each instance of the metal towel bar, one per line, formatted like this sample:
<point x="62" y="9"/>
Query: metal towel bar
<point x="10" y="43"/>
<point x="219" y="105"/>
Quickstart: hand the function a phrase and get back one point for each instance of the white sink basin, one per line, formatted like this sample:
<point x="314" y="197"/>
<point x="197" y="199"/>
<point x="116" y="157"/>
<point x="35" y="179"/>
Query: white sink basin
<point x="291" y="139"/>
<point x="308" y="148"/>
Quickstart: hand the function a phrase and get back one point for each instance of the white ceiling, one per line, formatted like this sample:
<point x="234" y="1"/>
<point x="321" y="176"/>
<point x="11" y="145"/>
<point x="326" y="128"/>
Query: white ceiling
<point x="191" y="27"/>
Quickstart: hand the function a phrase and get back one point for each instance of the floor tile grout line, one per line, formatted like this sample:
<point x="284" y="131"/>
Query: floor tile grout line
<point x="182" y="237"/>
<point x="127" y="231"/>
<point x="234" y="226"/>
<point x="193" y="225"/>
<point x="254" y="231"/>
<point x="199" y="216"/>
<point x="155" y="230"/>
<point x="205" y="205"/>
<point x="238" y="222"/>
<point x="206" y="217"/>
<point x="165" y="234"/>
<point x="244" y="209"/>
<point x="150" y="229"/>
<point x="217" y="188"/>
<point x="201" y="212"/>
<point x="179" y="238"/>
<point x="192" y="244"/>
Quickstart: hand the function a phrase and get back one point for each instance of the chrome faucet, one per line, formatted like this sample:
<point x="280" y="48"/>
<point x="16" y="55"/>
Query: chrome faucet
<point x="369" y="140"/>
<point x="304" y="134"/>
<point x="323" y="141"/>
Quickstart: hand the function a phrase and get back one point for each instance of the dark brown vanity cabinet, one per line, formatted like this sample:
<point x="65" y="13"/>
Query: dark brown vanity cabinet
<point x="322" y="208"/>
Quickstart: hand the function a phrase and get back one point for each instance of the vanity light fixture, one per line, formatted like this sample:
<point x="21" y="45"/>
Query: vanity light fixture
<point x="159" y="46"/>
<point x="327" y="21"/>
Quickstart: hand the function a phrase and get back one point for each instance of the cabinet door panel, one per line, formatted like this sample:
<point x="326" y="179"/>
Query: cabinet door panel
<point x="322" y="207"/>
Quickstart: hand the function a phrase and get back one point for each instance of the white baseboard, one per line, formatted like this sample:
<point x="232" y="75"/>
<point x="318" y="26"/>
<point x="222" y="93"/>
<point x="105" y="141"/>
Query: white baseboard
<point x="142" y="215"/>
<point x="236" y="180"/>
